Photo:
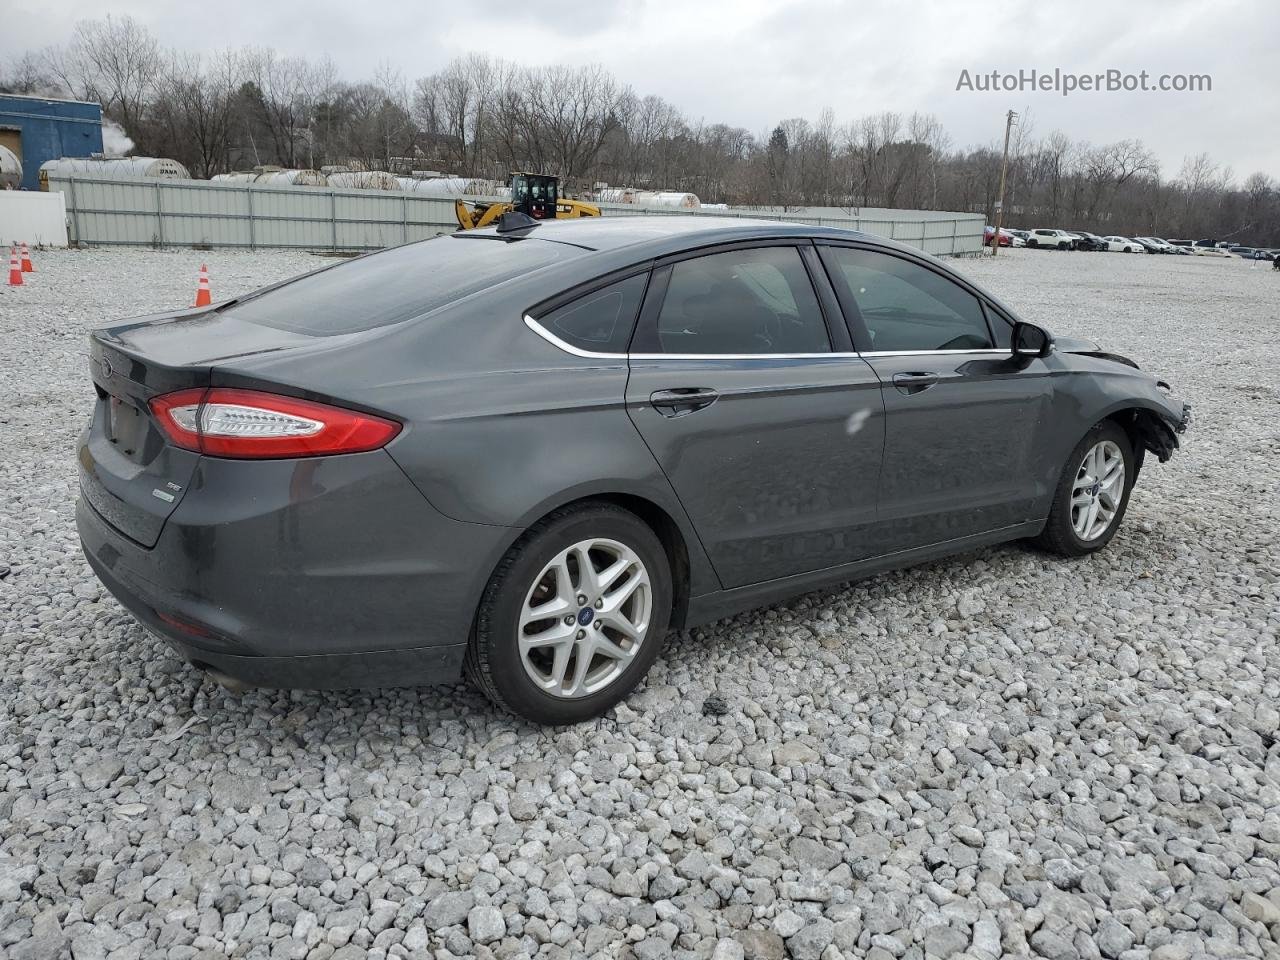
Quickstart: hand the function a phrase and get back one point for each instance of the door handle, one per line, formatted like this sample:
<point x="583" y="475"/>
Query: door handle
<point x="914" y="382"/>
<point x="681" y="401"/>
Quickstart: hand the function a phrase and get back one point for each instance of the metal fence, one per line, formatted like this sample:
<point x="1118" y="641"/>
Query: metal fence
<point x="158" y="212"/>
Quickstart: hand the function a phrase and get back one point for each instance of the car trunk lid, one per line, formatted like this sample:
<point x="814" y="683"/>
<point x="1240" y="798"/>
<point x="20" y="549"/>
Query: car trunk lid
<point x="129" y="473"/>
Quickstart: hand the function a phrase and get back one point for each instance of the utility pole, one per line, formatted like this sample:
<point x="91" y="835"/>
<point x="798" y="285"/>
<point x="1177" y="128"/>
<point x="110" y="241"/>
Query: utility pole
<point x="1010" y="118"/>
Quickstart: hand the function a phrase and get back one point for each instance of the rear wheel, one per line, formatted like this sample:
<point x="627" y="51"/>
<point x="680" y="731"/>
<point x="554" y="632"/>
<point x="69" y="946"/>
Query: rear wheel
<point x="1092" y="493"/>
<point x="573" y="617"/>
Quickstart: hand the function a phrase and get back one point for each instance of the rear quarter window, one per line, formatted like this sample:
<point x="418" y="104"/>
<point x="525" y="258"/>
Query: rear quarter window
<point x="397" y="284"/>
<point x="601" y="321"/>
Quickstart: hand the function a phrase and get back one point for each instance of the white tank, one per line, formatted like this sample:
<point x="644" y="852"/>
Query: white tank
<point x="115" y="168"/>
<point x="10" y="169"/>
<point x="236" y="176"/>
<point x="453" y="187"/>
<point x="365" y="180"/>
<point x="663" y="198"/>
<point x="435" y="186"/>
<point x="616" y="195"/>
<point x="295" y="178"/>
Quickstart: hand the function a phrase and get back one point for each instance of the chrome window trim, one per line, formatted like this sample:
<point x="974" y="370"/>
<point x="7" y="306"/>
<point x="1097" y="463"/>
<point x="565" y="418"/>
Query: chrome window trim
<point x="569" y="348"/>
<point x="932" y="353"/>
<point x="829" y="354"/>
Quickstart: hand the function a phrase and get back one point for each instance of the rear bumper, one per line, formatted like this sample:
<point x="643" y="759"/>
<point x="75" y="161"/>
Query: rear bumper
<point x="324" y="573"/>
<point x="368" y="669"/>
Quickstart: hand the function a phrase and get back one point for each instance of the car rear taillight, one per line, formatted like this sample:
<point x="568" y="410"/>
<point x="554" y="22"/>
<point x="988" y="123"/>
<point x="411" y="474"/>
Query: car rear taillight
<point x="251" y="424"/>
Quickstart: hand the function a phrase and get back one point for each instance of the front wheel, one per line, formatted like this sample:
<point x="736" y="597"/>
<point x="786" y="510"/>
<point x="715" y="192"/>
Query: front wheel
<point x="573" y="617"/>
<point x="1092" y="493"/>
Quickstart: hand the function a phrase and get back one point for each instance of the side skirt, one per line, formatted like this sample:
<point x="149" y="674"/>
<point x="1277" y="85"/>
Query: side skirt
<point x="715" y="606"/>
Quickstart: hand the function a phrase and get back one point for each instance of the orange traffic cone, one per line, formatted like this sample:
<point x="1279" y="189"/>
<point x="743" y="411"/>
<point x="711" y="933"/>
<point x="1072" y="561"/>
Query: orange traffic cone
<point x="27" y="265"/>
<point x="15" y="271"/>
<point x="203" y="296"/>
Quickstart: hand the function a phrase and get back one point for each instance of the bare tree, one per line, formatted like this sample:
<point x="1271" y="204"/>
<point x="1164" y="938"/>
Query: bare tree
<point x="192" y="115"/>
<point x="29" y="73"/>
<point x="114" y="61"/>
<point x="281" y="93"/>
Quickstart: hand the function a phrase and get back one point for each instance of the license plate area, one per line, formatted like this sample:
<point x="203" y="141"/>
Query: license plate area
<point x="129" y="429"/>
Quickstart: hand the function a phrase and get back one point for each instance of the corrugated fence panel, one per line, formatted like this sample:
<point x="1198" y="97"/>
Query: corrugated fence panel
<point x="195" y="212"/>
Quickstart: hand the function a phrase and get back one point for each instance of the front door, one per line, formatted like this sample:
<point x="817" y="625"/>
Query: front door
<point x="771" y="439"/>
<point x="964" y="418"/>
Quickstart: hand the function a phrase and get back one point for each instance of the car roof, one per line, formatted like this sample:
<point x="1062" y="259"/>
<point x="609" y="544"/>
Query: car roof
<point x="672" y="233"/>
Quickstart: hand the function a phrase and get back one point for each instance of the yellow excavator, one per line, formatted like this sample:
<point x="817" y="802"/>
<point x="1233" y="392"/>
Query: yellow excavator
<point x="533" y="194"/>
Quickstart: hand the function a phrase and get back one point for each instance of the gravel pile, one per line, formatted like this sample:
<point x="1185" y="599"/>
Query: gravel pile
<point x="1001" y="754"/>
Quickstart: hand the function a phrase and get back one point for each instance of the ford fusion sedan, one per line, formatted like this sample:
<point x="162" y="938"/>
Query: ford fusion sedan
<point x="529" y="454"/>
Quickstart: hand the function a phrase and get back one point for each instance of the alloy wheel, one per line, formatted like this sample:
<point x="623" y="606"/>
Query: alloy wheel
<point x="1098" y="490"/>
<point x="584" y="618"/>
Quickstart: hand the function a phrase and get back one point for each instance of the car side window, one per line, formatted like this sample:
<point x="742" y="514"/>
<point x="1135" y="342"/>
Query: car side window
<point x="1001" y="326"/>
<point x="908" y="307"/>
<point x="756" y="300"/>
<point x="600" y="321"/>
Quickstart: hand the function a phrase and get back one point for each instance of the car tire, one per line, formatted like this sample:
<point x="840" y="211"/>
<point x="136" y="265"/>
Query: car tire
<point x="1033" y="242"/>
<point x="509" y="656"/>
<point x="1063" y="532"/>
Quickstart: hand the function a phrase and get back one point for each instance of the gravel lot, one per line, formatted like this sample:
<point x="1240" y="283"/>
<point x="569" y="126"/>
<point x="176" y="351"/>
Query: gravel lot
<point x="997" y="754"/>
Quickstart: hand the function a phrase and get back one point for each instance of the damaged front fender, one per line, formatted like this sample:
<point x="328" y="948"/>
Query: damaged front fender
<point x="1157" y="433"/>
<point x="1116" y="388"/>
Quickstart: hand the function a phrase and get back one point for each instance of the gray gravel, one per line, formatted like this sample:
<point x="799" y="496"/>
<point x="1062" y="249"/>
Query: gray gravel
<point x="997" y="754"/>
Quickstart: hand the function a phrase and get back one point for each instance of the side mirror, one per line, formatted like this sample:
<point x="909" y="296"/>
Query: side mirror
<point x="1028" y="340"/>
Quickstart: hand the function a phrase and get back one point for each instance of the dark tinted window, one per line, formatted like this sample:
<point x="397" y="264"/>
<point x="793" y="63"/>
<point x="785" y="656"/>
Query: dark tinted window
<point x="1001" y="326"/>
<point x="397" y="284"/>
<point x="742" y="301"/>
<point x="909" y="307"/>
<point x="600" y="321"/>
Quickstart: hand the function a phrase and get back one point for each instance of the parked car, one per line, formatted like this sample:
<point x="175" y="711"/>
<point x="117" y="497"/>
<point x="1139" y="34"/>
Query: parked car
<point x="1088" y="241"/>
<point x="1053" y="238"/>
<point x="1251" y="253"/>
<point x="1162" y="246"/>
<point x="527" y="453"/>
<point x="1148" y="245"/>
<point x="989" y="231"/>
<point x="1007" y="237"/>
<point x="1123" y="245"/>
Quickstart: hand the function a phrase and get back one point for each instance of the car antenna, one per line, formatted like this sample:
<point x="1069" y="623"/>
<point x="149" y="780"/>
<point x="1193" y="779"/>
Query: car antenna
<point x="513" y="221"/>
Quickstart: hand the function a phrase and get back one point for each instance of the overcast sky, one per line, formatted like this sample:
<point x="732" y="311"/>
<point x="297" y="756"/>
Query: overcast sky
<point x="752" y="63"/>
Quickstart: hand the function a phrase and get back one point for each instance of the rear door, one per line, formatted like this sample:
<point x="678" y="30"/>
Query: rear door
<point x="769" y="427"/>
<point x="964" y="418"/>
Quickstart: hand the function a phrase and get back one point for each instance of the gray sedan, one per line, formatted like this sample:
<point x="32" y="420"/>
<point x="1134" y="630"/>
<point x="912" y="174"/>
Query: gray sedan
<point x="527" y="454"/>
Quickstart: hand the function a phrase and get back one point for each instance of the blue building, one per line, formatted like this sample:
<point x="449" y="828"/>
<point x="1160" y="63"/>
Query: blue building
<point x="37" y="129"/>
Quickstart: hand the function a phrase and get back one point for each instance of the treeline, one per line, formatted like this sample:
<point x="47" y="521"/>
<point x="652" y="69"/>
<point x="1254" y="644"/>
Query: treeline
<point x="483" y="117"/>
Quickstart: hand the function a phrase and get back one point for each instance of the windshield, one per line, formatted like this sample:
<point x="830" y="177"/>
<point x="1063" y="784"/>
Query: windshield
<point x="397" y="284"/>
